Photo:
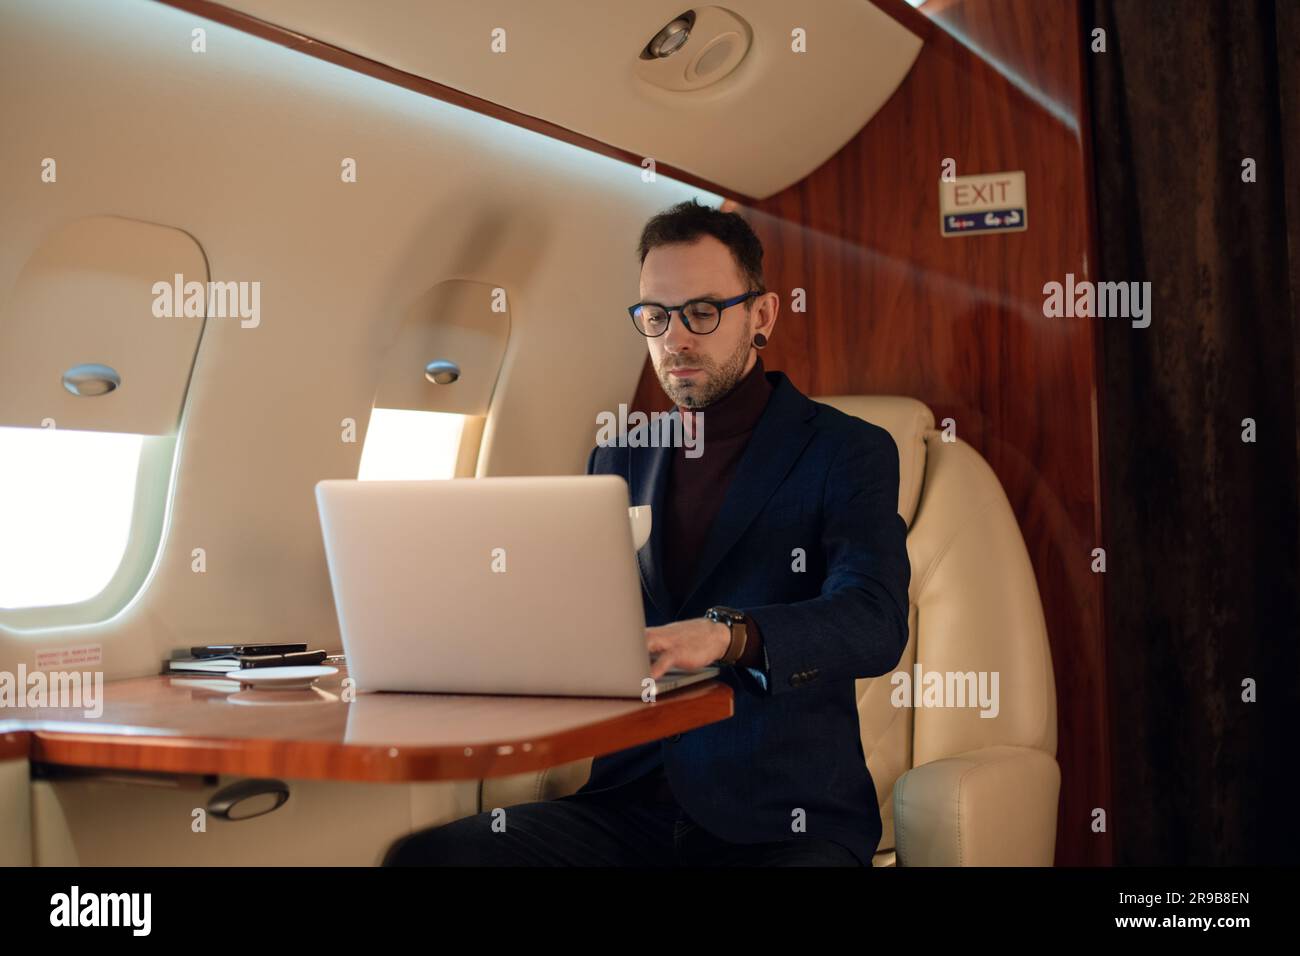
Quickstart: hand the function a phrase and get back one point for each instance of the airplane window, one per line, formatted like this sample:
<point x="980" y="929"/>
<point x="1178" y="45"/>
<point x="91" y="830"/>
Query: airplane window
<point x="403" y="445"/>
<point x="66" y="505"/>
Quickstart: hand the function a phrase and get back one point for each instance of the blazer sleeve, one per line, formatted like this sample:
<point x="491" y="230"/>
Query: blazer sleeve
<point x="857" y="626"/>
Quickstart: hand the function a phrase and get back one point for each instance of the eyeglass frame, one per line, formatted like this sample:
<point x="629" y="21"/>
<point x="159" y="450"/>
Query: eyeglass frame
<point x="720" y="304"/>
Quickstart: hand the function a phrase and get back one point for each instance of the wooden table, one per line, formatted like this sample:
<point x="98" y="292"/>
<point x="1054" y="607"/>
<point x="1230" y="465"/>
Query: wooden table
<point x="207" y="725"/>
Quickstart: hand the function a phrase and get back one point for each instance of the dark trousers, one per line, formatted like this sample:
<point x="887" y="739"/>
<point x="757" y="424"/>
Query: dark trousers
<point x="638" y="824"/>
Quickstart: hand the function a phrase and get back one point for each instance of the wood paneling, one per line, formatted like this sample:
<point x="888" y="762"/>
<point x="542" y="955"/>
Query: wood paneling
<point x="14" y="745"/>
<point x="894" y="308"/>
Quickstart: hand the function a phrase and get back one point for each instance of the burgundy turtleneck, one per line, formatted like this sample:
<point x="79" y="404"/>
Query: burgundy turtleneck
<point x="697" y="486"/>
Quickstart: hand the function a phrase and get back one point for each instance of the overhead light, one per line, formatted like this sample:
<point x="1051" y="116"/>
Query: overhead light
<point x="442" y="372"/>
<point x="91" y="379"/>
<point x="700" y="48"/>
<point x="671" y="38"/>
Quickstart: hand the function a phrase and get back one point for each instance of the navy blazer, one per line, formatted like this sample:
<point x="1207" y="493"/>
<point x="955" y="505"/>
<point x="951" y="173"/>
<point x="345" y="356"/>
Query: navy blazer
<point x="812" y="481"/>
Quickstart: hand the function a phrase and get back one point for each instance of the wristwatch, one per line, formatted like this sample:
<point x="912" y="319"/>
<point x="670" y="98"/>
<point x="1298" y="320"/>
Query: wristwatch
<point x="735" y="620"/>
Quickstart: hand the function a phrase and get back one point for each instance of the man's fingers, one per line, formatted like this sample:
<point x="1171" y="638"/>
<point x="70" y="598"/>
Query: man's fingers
<point x="661" y="665"/>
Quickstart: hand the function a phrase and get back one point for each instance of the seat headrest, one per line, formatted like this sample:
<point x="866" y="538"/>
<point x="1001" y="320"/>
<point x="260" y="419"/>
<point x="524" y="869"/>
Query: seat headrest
<point x="907" y="420"/>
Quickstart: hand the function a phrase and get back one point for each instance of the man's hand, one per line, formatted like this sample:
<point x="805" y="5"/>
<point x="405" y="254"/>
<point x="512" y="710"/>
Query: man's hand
<point x="686" y="645"/>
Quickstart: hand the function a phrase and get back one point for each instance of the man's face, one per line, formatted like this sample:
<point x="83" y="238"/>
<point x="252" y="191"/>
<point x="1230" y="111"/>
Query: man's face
<point x="697" y="370"/>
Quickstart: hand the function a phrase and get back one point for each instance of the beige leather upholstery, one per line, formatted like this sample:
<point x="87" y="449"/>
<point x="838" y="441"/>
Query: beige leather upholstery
<point x="955" y="788"/>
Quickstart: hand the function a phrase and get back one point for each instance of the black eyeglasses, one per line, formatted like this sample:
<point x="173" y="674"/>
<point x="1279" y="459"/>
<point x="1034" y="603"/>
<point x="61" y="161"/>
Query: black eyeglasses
<point x="701" y="316"/>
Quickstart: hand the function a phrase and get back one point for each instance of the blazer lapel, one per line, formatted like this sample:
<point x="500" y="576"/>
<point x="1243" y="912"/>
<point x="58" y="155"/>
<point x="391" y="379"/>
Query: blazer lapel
<point x="778" y="439"/>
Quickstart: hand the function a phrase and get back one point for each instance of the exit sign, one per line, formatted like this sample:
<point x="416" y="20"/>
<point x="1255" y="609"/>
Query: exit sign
<point x="990" y="202"/>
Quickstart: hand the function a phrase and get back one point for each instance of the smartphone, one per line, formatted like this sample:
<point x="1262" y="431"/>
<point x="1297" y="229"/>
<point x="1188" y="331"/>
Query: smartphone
<point x="296" y="659"/>
<point x="249" y="650"/>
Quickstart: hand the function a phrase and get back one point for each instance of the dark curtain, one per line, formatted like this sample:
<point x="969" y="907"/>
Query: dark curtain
<point x="1200" y="527"/>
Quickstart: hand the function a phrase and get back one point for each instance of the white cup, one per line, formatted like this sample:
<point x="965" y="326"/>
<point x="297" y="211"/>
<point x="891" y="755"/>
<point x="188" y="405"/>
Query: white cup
<point x="640" y="518"/>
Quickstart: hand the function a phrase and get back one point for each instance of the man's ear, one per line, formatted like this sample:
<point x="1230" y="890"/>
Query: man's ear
<point x="769" y="304"/>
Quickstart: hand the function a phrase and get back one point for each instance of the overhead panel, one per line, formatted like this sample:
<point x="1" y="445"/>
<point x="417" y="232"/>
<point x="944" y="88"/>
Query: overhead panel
<point x="760" y="94"/>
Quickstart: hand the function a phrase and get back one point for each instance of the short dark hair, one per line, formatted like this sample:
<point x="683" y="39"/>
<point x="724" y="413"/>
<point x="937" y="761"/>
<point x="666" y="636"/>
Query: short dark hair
<point x="688" y="221"/>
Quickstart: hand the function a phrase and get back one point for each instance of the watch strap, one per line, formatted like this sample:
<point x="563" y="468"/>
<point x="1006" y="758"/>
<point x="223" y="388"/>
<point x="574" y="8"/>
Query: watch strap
<point x="737" y="623"/>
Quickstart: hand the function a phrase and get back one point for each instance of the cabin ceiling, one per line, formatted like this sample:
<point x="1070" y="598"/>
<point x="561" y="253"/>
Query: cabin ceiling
<point x="766" y="125"/>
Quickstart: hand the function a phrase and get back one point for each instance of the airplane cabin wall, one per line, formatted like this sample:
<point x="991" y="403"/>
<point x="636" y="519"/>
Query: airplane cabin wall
<point x="893" y="308"/>
<point x="241" y="148"/>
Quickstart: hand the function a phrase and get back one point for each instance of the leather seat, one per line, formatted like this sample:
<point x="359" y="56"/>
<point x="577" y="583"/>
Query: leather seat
<point x="955" y="788"/>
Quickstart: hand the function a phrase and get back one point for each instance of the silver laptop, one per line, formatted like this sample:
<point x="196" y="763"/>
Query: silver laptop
<point x="489" y="586"/>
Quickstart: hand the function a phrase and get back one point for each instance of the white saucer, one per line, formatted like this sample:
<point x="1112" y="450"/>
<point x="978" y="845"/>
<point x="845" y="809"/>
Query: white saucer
<point x="279" y="678"/>
<point x="279" y="696"/>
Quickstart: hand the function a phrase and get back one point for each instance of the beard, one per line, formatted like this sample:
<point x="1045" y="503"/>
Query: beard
<point x="715" y="379"/>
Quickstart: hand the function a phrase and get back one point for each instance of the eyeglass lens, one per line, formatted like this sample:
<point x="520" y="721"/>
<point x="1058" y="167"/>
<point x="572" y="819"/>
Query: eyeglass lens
<point x="701" y="317"/>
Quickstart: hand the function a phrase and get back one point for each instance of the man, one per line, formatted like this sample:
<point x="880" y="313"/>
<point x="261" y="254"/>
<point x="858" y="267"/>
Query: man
<point x="778" y="554"/>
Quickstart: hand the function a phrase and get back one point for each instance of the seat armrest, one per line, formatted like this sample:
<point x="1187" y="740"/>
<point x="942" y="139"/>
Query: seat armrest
<point x="990" y="807"/>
